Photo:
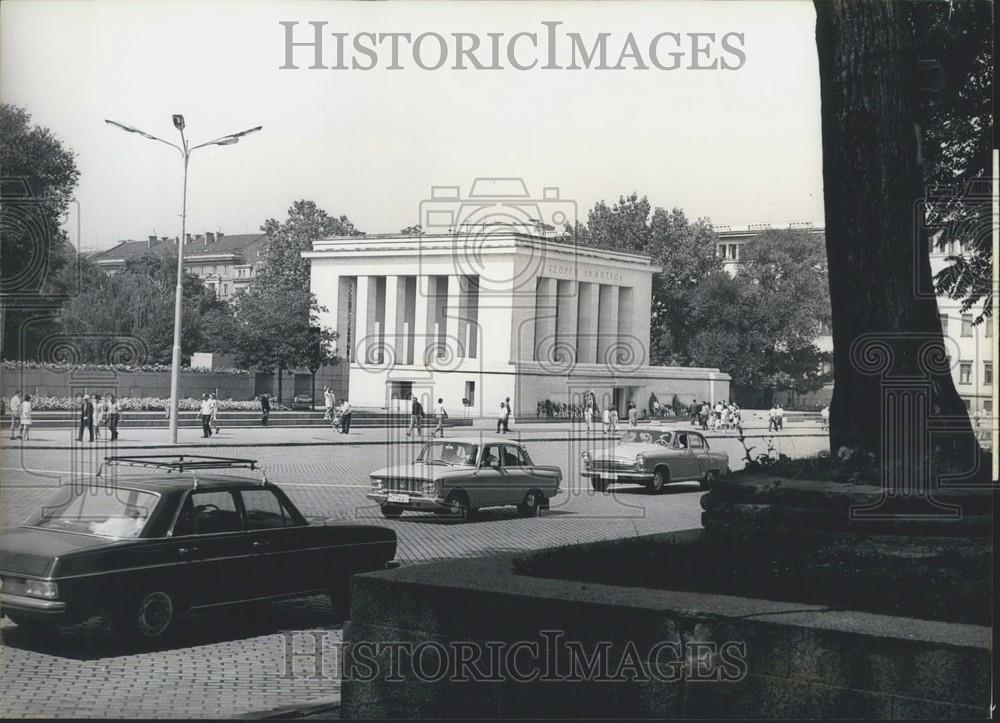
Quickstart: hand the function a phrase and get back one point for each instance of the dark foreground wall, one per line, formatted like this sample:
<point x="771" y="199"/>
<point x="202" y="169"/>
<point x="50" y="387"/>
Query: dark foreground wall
<point x="420" y="636"/>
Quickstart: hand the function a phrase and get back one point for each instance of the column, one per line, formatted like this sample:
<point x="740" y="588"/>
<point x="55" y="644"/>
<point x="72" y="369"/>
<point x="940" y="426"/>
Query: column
<point x="566" y="320"/>
<point x="586" y="324"/>
<point x="626" y="338"/>
<point x="423" y="325"/>
<point x="454" y="318"/>
<point x="607" y="323"/>
<point x="365" y="306"/>
<point x="395" y="351"/>
<point x="545" y="318"/>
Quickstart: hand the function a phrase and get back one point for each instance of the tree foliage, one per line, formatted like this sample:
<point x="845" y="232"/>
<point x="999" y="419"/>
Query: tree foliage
<point x="38" y="265"/>
<point x="958" y="142"/>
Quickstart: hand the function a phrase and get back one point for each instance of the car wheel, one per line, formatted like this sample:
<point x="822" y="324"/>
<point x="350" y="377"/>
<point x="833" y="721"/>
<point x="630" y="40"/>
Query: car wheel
<point x="708" y="481"/>
<point x="147" y="618"/>
<point x="461" y="507"/>
<point x="531" y="504"/>
<point x="660" y="478"/>
<point x="391" y="511"/>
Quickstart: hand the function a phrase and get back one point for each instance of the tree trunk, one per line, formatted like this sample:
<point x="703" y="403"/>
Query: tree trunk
<point x="281" y="378"/>
<point x="886" y="330"/>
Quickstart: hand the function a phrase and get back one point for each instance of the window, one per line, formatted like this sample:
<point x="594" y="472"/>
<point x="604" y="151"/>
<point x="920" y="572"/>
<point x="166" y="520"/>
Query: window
<point x="987" y="372"/>
<point x="207" y="513"/>
<point x="988" y="406"/>
<point x="491" y="457"/>
<point x="966" y="324"/>
<point x="696" y="442"/>
<point x="682" y="441"/>
<point x="967" y="403"/>
<point x="989" y="328"/>
<point x="264" y="510"/>
<point x="513" y="457"/>
<point x="121" y="513"/>
<point x="965" y="372"/>
<point x="470" y="394"/>
<point x="401" y="390"/>
<point x="944" y="323"/>
<point x="735" y="251"/>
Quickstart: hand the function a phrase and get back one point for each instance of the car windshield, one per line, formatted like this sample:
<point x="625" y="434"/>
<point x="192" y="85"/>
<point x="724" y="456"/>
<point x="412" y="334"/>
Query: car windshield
<point x="450" y="453"/>
<point x="116" y="513"/>
<point x="646" y="436"/>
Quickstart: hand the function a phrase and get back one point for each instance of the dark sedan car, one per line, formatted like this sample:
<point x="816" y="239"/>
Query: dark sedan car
<point x="140" y="549"/>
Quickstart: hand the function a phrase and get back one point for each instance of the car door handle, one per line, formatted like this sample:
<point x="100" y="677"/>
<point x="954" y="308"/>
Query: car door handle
<point x="186" y="551"/>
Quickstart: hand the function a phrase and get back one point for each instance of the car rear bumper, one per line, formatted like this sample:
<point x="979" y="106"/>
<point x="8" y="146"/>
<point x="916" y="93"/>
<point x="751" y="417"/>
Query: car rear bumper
<point x="23" y="603"/>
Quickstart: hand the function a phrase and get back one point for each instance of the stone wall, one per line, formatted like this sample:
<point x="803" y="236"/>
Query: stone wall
<point x="718" y="656"/>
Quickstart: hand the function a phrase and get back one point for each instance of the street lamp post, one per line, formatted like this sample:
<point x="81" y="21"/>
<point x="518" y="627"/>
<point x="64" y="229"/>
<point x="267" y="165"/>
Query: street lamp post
<point x="185" y="151"/>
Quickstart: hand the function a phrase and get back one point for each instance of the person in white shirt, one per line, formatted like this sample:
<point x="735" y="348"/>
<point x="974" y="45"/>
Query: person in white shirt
<point x="825" y="415"/>
<point x="206" y="416"/>
<point x="345" y="417"/>
<point x="15" y="414"/>
<point x="772" y="423"/>
<point x="606" y="420"/>
<point x="440" y="414"/>
<point x="26" y="416"/>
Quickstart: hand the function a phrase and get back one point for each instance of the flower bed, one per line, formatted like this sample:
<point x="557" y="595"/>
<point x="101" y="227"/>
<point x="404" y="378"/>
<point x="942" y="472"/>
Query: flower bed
<point x="60" y="367"/>
<point x="150" y="404"/>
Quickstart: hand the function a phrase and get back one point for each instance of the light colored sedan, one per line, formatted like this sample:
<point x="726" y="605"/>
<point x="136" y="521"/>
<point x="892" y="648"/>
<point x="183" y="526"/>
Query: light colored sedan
<point x="463" y="474"/>
<point x="655" y="457"/>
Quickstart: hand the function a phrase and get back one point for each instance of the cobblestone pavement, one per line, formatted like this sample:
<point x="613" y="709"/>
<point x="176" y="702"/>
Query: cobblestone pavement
<point x="234" y="662"/>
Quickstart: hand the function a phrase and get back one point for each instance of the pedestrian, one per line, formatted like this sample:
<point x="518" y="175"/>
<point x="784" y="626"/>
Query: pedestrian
<point x="265" y="409"/>
<point x="506" y="416"/>
<point x="614" y="419"/>
<point x="588" y="412"/>
<point x="345" y="417"/>
<point x="606" y="420"/>
<point x="824" y="414"/>
<point x="15" y="414"/>
<point x="206" y="416"/>
<point x="501" y="415"/>
<point x="26" y="417"/>
<point x="781" y="417"/>
<point x="772" y="419"/>
<point x="416" y="417"/>
<point x="113" y="417"/>
<point x="440" y="414"/>
<point x="100" y="415"/>
<point x="86" y="418"/>
<point x="633" y="415"/>
<point x="328" y="403"/>
<point x="215" y="413"/>
<point x="704" y="414"/>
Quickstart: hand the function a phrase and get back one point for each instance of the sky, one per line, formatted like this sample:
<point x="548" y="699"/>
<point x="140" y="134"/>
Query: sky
<point x="737" y="146"/>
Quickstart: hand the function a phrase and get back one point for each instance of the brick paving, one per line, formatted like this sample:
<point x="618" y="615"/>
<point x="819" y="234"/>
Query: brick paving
<point x="233" y="662"/>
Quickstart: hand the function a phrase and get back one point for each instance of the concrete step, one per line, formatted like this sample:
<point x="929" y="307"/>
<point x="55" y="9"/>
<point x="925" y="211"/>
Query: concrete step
<point x="360" y="420"/>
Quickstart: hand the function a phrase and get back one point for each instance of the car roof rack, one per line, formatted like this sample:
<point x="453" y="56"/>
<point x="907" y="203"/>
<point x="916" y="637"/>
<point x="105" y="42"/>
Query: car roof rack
<point x="182" y="463"/>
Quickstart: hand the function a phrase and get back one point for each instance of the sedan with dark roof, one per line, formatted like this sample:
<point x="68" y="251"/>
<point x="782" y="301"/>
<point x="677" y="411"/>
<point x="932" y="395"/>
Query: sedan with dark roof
<point x="140" y="550"/>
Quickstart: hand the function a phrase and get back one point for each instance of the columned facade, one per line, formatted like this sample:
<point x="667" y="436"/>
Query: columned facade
<point x="526" y="317"/>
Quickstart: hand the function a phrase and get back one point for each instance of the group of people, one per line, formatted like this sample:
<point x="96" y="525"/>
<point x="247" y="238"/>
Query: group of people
<point x="775" y="418"/>
<point x="417" y="415"/>
<point x="97" y="412"/>
<point x="339" y="416"/>
<point x="20" y="415"/>
<point x="720" y="417"/>
<point x="503" y="417"/>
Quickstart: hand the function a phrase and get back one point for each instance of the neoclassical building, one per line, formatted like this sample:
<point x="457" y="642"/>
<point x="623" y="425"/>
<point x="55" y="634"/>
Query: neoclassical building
<point x="477" y="318"/>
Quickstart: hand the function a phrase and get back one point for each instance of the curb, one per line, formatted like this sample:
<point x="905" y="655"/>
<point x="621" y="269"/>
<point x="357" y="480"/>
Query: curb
<point x="329" y="708"/>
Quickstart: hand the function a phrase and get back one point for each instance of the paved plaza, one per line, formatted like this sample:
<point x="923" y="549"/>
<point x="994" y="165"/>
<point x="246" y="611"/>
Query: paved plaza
<point x="236" y="661"/>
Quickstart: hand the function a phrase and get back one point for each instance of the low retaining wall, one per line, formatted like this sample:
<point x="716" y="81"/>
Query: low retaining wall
<point x="667" y="654"/>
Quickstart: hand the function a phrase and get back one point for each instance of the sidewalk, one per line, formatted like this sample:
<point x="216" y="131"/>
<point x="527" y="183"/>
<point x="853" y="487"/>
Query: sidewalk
<point x="528" y="430"/>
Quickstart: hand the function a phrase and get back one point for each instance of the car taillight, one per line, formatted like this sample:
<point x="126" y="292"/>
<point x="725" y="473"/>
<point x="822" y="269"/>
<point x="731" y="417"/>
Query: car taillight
<point x="429" y="488"/>
<point x="377" y="483"/>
